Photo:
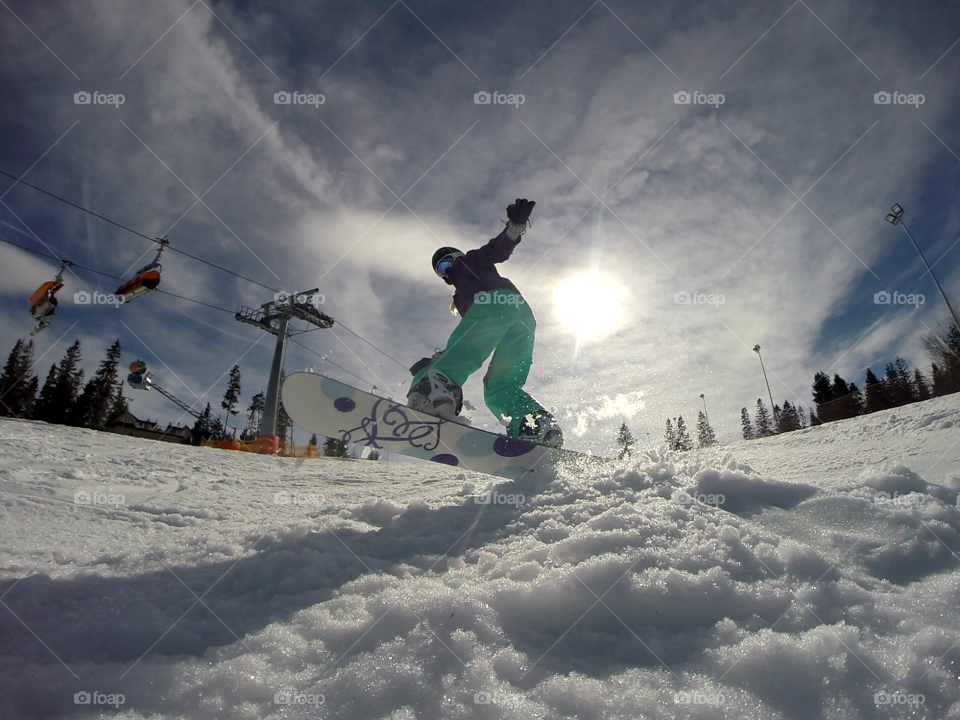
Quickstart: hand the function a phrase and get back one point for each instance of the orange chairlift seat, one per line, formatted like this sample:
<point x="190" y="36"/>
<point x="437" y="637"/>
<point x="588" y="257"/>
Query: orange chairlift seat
<point x="43" y="302"/>
<point x="145" y="279"/>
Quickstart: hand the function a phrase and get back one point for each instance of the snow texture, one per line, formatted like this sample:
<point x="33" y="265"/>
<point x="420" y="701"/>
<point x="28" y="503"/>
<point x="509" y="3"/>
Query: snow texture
<point x="802" y="576"/>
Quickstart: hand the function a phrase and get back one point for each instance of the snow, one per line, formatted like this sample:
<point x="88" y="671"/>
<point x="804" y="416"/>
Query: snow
<point x="792" y="577"/>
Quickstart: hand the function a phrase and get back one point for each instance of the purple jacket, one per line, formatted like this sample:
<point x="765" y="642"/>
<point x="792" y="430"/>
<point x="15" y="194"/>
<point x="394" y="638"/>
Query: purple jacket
<point x="477" y="272"/>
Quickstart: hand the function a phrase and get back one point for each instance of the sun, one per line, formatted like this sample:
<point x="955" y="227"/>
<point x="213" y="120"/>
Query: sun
<point x="589" y="305"/>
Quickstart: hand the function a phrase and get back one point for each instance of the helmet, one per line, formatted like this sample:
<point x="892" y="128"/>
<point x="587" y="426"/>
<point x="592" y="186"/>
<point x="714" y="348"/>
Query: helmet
<point x="441" y="254"/>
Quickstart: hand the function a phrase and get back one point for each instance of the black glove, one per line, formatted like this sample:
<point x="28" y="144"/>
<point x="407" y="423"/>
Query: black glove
<point x="519" y="212"/>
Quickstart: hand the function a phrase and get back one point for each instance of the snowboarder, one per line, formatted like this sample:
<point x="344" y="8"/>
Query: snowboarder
<point x="495" y="320"/>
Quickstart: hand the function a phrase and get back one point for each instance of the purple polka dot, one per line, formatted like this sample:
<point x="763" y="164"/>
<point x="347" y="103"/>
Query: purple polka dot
<point x="446" y="459"/>
<point x="344" y="404"/>
<point x="511" y="447"/>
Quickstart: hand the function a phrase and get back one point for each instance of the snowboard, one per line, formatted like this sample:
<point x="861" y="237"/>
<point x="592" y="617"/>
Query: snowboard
<point x="327" y="407"/>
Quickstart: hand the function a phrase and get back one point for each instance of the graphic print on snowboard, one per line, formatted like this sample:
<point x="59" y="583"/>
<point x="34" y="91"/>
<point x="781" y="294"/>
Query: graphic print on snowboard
<point x="324" y="406"/>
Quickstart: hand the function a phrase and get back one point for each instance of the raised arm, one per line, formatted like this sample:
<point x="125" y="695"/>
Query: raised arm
<point x="500" y="248"/>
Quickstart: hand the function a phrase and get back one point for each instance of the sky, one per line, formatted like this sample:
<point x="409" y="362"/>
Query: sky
<point x="770" y="198"/>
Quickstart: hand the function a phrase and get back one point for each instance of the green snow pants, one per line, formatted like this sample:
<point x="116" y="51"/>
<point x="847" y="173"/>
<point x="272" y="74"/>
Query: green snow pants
<point x="498" y="322"/>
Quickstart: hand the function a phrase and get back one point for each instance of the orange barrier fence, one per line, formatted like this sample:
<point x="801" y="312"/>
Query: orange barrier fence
<point x="270" y="445"/>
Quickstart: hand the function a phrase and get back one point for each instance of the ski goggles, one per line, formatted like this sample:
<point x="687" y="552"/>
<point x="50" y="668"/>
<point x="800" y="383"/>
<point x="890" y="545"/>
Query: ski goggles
<point x="444" y="264"/>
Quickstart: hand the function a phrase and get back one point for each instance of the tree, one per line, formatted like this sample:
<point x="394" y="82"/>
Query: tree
<point x="762" y="421"/>
<point x="232" y="396"/>
<point x="789" y="419"/>
<point x="814" y="420"/>
<point x="18" y="388"/>
<point x="746" y="426"/>
<point x="45" y="398"/>
<point x="876" y="394"/>
<point x="332" y="447"/>
<point x="93" y="406"/>
<point x="625" y="441"/>
<point x="705" y="435"/>
<point x="670" y="436"/>
<point x="940" y="385"/>
<point x="254" y="417"/>
<point x="313" y="440"/>
<point x="899" y="383"/>
<point x="119" y="405"/>
<point x="943" y="348"/>
<point x="684" y="442"/>
<point x="920" y="387"/>
<point x="203" y="427"/>
<point x="374" y="455"/>
<point x="847" y="403"/>
<point x="61" y="388"/>
<point x="822" y="396"/>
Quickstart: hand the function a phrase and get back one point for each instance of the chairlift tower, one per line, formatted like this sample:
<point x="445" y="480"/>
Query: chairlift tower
<point x="274" y="317"/>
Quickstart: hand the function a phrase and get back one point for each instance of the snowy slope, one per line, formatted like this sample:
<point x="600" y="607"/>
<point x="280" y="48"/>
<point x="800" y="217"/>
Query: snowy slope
<point x="819" y="569"/>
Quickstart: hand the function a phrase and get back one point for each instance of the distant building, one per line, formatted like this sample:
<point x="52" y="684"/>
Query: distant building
<point x="127" y="424"/>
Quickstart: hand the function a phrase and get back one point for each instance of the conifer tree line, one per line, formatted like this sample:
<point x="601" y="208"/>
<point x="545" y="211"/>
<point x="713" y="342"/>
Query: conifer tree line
<point x="676" y="436"/>
<point x="65" y="399"/>
<point x="836" y="399"/>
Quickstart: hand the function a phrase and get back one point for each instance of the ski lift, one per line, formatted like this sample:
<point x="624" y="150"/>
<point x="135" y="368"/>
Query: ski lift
<point x="139" y="378"/>
<point x="145" y="279"/>
<point x="43" y="302"/>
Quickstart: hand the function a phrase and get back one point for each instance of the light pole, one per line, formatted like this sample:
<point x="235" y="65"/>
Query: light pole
<point x="773" y="407"/>
<point x="706" y="415"/>
<point x="896" y="218"/>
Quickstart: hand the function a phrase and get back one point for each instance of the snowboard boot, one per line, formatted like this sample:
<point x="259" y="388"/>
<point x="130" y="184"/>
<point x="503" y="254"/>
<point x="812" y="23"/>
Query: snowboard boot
<point x="542" y="429"/>
<point x="437" y="395"/>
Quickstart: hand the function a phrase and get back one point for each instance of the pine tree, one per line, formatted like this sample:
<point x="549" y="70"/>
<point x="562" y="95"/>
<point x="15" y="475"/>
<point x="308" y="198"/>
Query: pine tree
<point x="254" y="416"/>
<point x="203" y="427"/>
<point x="705" y="435"/>
<point x="814" y="420"/>
<point x="332" y="447"/>
<point x="920" y="387"/>
<point x="823" y="396"/>
<point x="18" y="387"/>
<point x="313" y="440"/>
<point x="684" y="442"/>
<point x="788" y="420"/>
<point x="119" y="404"/>
<point x="899" y="383"/>
<point x="93" y="406"/>
<point x="939" y="384"/>
<point x="876" y="394"/>
<point x="746" y="426"/>
<point x="625" y="441"/>
<point x="762" y="421"/>
<point x="58" y="405"/>
<point x="670" y="436"/>
<point x="943" y="349"/>
<point x="45" y="398"/>
<point x="232" y="396"/>
<point x="802" y="416"/>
